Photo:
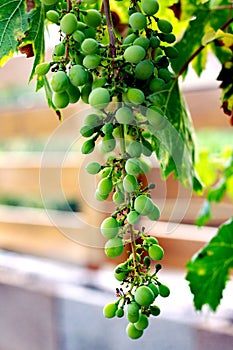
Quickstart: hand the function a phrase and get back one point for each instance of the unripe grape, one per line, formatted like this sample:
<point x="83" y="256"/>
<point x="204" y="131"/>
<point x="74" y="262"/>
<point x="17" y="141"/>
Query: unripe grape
<point x="89" y="46"/>
<point x="154" y="289"/>
<point x="144" y="296"/>
<point x="161" y="61"/>
<point x="90" y="1"/>
<point x="142" y="322"/>
<point x="109" y="310"/>
<point x="100" y="197"/>
<point x="42" y="68"/>
<point x="151" y="240"/>
<point x="78" y="36"/>
<point x="137" y="21"/>
<point x="147" y="148"/>
<point x="164" y="74"/>
<point x="129" y="39"/>
<point x="142" y="41"/>
<point x="133" y="308"/>
<point x="92" y="18"/>
<point x="134" y="149"/>
<point x="88" y="146"/>
<point x="74" y="93"/>
<point x="164" y="291"/>
<point x="155" y="310"/>
<point x="87" y="131"/>
<point x="134" y="54"/>
<point x="78" y="76"/>
<point x="156" y="117"/>
<point x="49" y="2"/>
<point x="91" y="61"/>
<point x="150" y="7"/>
<point x="145" y="167"/>
<point x="155" y="214"/>
<point x="107" y="129"/>
<point x="105" y="172"/>
<point x="118" y="197"/>
<point x="167" y="37"/>
<point x="135" y="96"/>
<point x="156" y="84"/>
<point x="144" y="70"/>
<point x="133" y="318"/>
<point x="130" y="183"/>
<point x="59" y="81"/>
<point x="154" y="42"/>
<point x="133" y="217"/>
<point x="124" y="115"/>
<point x="85" y="92"/>
<point x="93" y="168"/>
<point x="109" y="227"/>
<point x="108" y="143"/>
<point x="120" y="312"/>
<point x="89" y="32"/>
<point x="133" y="332"/>
<point x="61" y="99"/>
<point x="92" y="120"/>
<point x="68" y="23"/>
<point x="132" y="166"/>
<point x="99" y="98"/>
<point x="171" y="52"/>
<point x="105" y="186"/>
<point x="52" y="16"/>
<point x="114" y="247"/>
<point x="165" y="26"/>
<point x="156" y="252"/>
<point x="120" y="272"/>
<point x="143" y="205"/>
<point x="99" y="82"/>
<point x="59" y="49"/>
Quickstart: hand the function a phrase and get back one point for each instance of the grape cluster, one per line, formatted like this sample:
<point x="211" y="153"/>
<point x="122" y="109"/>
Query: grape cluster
<point x="120" y="77"/>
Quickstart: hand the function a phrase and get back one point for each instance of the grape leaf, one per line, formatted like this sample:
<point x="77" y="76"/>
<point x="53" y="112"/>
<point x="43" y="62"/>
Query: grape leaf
<point x="13" y="25"/>
<point x="208" y="271"/>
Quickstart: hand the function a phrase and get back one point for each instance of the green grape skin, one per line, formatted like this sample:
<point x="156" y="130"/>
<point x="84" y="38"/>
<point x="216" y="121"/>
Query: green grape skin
<point x="135" y="96"/>
<point x="129" y="39"/>
<point x="92" y="18"/>
<point x="171" y="52"/>
<point x="120" y="312"/>
<point x="88" y="146"/>
<point x="78" y="36"/>
<point x="134" y="149"/>
<point x="89" y="46"/>
<point x="91" y="61"/>
<point x="99" y="98"/>
<point x="137" y="21"/>
<point x="132" y="166"/>
<point x="133" y="318"/>
<point x="59" y="81"/>
<point x="107" y="129"/>
<point x="52" y="16"/>
<point x="154" y="42"/>
<point x="133" y="332"/>
<point x="146" y="261"/>
<point x="144" y="70"/>
<point x="120" y="272"/>
<point x="164" y="291"/>
<point x="114" y="247"/>
<point x="156" y="84"/>
<point x="147" y="148"/>
<point x="143" y="205"/>
<point x="93" y="168"/>
<point x="59" y="50"/>
<point x="105" y="172"/>
<point x="100" y="82"/>
<point x="156" y="252"/>
<point x="74" y="93"/>
<point x="89" y="32"/>
<point x="165" y="26"/>
<point x="144" y="296"/>
<point x="105" y="186"/>
<point x="48" y="2"/>
<point x="142" y="41"/>
<point x="134" y="54"/>
<point x="155" y="214"/>
<point x="156" y="117"/>
<point x="90" y="1"/>
<point x="151" y="240"/>
<point x="154" y="310"/>
<point x="124" y="115"/>
<point x="164" y="74"/>
<point x="61" y="99"/>
<point x="108" y="143"/>
<point x="133" y="308"/>
<point x="68" y="23"/>
<point x="150" y="7"/>
<point x="78" y="76"/>
<point x="109" y="311"/>
<point x="42" y="68"/>
<point x="118" y="197"/>
<point x="85" y="92"/>
<point x="161" y="61"/>
<point x="87" y="131"/>
<point x="154" y="289"/>
<point x="133" y="217"/>
<point x="109" y="227"/>
<point x="167" y="37"/>
<point x="92" y="120"/>
<point x="100" y="197"/>
<point x="130" y="183"/>
<point x="142" y="322"/>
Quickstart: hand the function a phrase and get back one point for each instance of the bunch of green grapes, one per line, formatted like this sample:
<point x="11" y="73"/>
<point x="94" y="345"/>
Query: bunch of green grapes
<point x="96" y="64"/>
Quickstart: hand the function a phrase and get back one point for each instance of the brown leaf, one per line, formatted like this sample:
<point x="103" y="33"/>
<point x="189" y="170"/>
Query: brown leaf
<point x="176" y="8"/>
<point x="27" y="50"/>
<point x="30" y="5"/>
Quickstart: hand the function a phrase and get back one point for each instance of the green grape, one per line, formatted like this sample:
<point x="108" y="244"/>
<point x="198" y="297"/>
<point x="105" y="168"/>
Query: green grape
<point x="89" y="46"/>
<point x="68" y="23"/>
<point x="108" y="143"/>
<point x="164" y="291"/>
<point x="164" y="74"/>
<point x="118" y="197"/>
<point x="142" y="41"/>
<point x="105" y="172"/>
<point x="147" y="261"/>
<point x="130" y="183"/>
<point x="151" y="240"/>
<point x="167" y="37"/>
<point x="142" y="322"/>
<point x="78" y="36"/>
<point x="90" y="1"/>
<point x="156" y="117"/>
<point x="120" y="312"/>
<point x="89" y="32"/>
<point x="133" y="308"/>
<point x="156" y="252"/>
<point x="154" y="289"/>
<point x="105" y="186"/>
<point x="107" y="129"/>
<point x="137" y="21"/>
<point x="100" y="197"/>
<point x="150" y="7"/>
<point x="133" y="332"/>
<point x="42" y="68"/>
<point x="135" y="96"/>
<point x="124" y="115"/>
<point x="100" y="82"/>
<point x="161" y="61"/>
<point x="92" y="120"/>
<point x="59" y="49"/>
<point x="78" y="76"/>
<point x="147" y="148"/>
<point x="52" y="16"/>
<point x="165" y="26"/>
<point x="134" y="54"/>
<point x="92" y="18"/>
<point x="109" y="310"/>
<point x="120" y="272"/>
<point x="155" y="310"/>
<point x="87" y="131"/>
<point x="156" y="84"/>
<point x="114" y="247"/>
<point x="154" y="42"/>
<point x="48" y="2"/>
<point x="93" y="168"/>
<point x="155" y="214"/>
<point x="129" y="39"/>
<point x="171" y="52"/>
<point x="74" y="93"/>
<point x="132" y="166"/>
<point x="143" y="205"/>
<point x="91" y="61"/>
<point x="99" y="98"/>
<point x="133" y="217"/>
<point x="144" y="296"/>
<point x="145" y="167"/>
<point x="88" y="146"/>
<point x="59" y="81"/>
<point x="144" y="70"/>
<point x="134" y="149"/>
<point x="133" y="318"/>
<point x="109" y="227"/>
<point x="85" y="92"/>
<point x="81" y="26"/>
<point x="61" y="99"/>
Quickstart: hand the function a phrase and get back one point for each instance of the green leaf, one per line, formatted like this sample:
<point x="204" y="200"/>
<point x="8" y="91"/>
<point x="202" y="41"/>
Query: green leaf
<point x="13" y="25"/>
<point x="204" y="214"/>
<point x="217" y="192"/>
<point x="209" y="270"/>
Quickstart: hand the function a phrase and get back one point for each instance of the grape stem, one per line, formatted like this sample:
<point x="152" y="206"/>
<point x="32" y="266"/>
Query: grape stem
<point x="109" y="22"/>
